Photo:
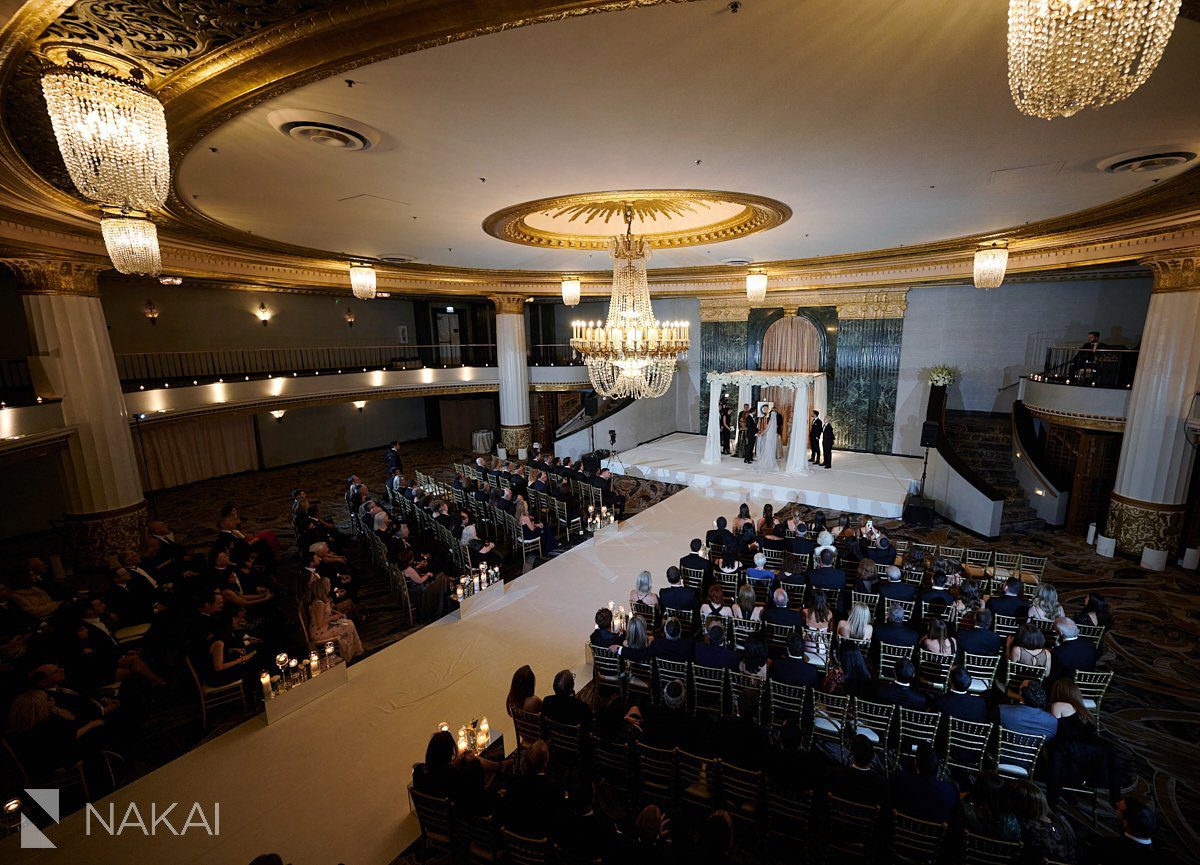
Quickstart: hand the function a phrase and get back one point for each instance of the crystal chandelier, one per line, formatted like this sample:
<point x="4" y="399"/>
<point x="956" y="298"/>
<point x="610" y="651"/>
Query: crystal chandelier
<point x="1065" y="55"/>
<point x="362" y="281"/>
<point x="570" y="291"/>
<point x="756" y="287"/>
<point x="631" y="355"/>
<point x="132" y="244"/>
<point x="991" y="262"/>
<point x="111" y="130"/>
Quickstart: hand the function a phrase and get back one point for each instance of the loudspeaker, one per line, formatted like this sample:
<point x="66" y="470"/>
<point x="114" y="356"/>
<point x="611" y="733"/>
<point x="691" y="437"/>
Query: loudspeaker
<point x="918" y="511"/>
<point x="591" y="404"/>
<point x="929" y="433"/>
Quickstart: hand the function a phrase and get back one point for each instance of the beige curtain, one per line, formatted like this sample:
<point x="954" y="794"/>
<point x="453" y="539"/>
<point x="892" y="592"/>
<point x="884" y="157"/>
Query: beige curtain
<point x="195" y="450"/>
<point x="791" y="344"/>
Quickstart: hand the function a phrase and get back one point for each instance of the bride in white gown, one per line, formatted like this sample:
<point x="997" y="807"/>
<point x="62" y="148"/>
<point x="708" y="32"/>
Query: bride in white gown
<point x="767" y="457"/>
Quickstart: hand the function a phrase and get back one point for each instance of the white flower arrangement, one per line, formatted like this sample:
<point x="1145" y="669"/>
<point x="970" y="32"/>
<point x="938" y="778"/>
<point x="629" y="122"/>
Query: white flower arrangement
<point x="943" y="376"/>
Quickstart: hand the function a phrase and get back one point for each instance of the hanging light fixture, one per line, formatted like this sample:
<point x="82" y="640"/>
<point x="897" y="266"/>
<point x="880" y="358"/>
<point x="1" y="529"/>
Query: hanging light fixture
<point x="1066" y="55"/>
<point x="132" y="243"/>
<point x="110" y="128"/>
<point x="631" y="355"/>
<point x="570" y="291"/>
<point x="171" y="280"/>
<point x="756" y="287"/>
<point x="151" y="312"/>
<point x="349" y="317"/>
<point x="991" y="262"/>
<point x="362" y="280"/>
<point x="264" y="314"/>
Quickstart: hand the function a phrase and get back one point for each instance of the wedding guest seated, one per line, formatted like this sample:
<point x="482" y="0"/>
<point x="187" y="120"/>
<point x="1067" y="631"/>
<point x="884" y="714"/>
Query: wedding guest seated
<point x="522" y="693"/>
<point x="747" y="542"/>
<point x="636" y="651"/>
<point x="824" y="542"/>
<point x="434" y="777"/>
<point x="857" y="625"/>
<point x="133" y="607"/>
<point x="980" y="639"/>
<point x="818" y="617"/>
<point x="642" y="591"/>
<point x="937" y="596"/>
<point x="603" y="636"/>
<point x="563" y="706"/>
<point x="825" y="575"/>
<point x="851" y="667"/>
<point x="674" y="646"/>
<point x="676" y="596"/>
<point x="1071" y="653"/>
<point x="860" y="782"/>
<point x="917" y="791"/>
<point x="959" y="702"/>
<point x="1077" y="753"/>
<point x="1095" y="611"/>
<point x="532" y="802"/>
<point x="759" y="572"/>
<point x="1045" y="606"/>
<point x="967" y="603"/>
<point x="531" y="530"/>
<point x="668" y="724"/>
<point x="883" y="552"/>
<point x="1045" y="836"/>
<point x="740" y="739"/>
<point x="47" y="738"/>
<point x="743" y="517"/>
<point x="715" y="605"/>
<point x="649" y="842"/>
<point x="779" y="614"/>
<point x="1135" y="846"/>
<point x="720" y="535"/>
<point x="100" y="652"/>
<point x="754" y="657"/>
<point x="33" y="599"/>
<point x="773" y="538"/>
<point x="1010" y="603"/>
<point x="1028" y="646"/>
<point x="793" y="669"/>
<point x="581" y="832"/>
<point x="694" y="560"/>
<point x="893" y="631"/>
<point x="988" y="809"/>
<point x="867" y="579"/>
<point x="713" y="652"/>
<point x="746" y="607"/>
<point x="325" y="624"/>
<point x="1030" y="716"/>
<point x="38" y="575"/>
<point x="901" y="692"/>
<point x="218" y="659"/>
<point x="937" y="640"/>
<point x="894" y="589"/>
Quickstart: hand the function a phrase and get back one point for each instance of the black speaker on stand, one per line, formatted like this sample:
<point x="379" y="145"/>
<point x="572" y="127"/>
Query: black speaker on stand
<point x="929" y="433"/>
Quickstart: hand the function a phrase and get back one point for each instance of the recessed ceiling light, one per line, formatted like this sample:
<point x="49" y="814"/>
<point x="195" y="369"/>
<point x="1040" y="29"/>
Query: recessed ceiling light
<point x="737" y="262"/>
<point x="328" y="130"/>
<point x="1147" y="160"/>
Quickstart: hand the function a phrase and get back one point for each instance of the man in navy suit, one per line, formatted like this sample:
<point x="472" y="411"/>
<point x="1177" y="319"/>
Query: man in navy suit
<point x="938" y="595"/>
<point x="676" y="596"/>
<point x="894" y="631"/>
<point x="801" y="545"/>
<point x="826" y="576"/>
<point x="673" y="646"/>
<point x="901" y="691"/>
<point x="779" y="614"/>
<point x="1071" y="653"/>
<point x="960" y="702"/>
<point x="894" y="589"/>
<point x="884" y="554"/>
<point x="720" y="535"/>
<point x="714" y="653"/>
<point x="1010" y="603"/>
<point x="794" y="670"/>
<point x="1031" y="716"/>
<point x="694" y="560"/>
<point x="981" y="639"/>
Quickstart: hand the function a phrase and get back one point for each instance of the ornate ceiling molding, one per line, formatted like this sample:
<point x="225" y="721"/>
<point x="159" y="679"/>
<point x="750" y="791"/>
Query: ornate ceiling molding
<point x="1098" y="423"/>
<point x="850" y="304"/>
<point x="55" y="276"/>
<point x="1177" y="271"/>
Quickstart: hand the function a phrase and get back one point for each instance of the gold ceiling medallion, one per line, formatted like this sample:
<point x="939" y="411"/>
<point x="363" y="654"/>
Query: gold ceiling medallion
<point x="665" y="217"/>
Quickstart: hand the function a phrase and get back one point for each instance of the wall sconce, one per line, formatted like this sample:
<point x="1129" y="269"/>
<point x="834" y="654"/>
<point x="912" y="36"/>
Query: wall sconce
<point x="349" y="317"/>
<point x="263" y="314"/>
<point x="171" y="280"/>
<point x="278" y="415"/>
<point x="151" y="312"/>
<point x="359" y="404"/>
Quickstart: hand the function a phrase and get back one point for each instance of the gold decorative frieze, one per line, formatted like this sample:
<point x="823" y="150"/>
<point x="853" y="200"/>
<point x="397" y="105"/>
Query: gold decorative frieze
<point x="1096" y="422"/>
<point x="51" y="276"/>
<point x="850" y="303"/>
<point x="1177" y="271"/>
<point x="95" y="536"/>
<point x="516" y="436"/>
<point x="561" y="386"/>
<point x="1135" y="524"/>
<point x="509" y="304"/>
<point x="665" y="217"/>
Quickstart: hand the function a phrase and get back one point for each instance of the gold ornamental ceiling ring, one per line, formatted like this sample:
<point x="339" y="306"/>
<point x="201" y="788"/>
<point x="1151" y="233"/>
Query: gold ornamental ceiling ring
<point x="665" y="217"/>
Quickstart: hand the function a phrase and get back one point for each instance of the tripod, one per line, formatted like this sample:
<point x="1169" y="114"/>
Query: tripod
<point x="614" y="457"/>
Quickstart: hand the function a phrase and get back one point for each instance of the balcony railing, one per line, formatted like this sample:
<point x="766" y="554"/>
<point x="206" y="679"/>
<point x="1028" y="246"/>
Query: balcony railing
<point x="553" y="354"/>
<point x="1085" y="367"/>
<point x="15" y="387"/>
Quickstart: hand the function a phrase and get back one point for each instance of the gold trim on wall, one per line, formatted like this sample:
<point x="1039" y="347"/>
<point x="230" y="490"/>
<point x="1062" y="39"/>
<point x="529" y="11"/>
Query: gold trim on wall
<point x="1099" y="423"/>
<point x="50" y="276"/>
<point x="509" y="304"/>
<point x="1178" y="271"/>
<point x="1150" y="506"/>
<point x="850" y="303"/>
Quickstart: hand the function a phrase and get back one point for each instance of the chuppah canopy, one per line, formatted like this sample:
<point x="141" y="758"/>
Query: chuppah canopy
<point x="811" y="394"/>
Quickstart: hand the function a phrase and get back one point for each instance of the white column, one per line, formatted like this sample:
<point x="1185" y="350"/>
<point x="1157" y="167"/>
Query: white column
<point x="1150" y="494"/>
<point x="797" y="457"/>
<point x="513" y="365"/>
<point x="73" y="361"/>
<point x="712" y="443"/>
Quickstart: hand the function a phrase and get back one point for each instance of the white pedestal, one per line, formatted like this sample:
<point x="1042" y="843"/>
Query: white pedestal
<point x="1154" y="560"/>
<point x="1106" y="547"/>
<point x="286" y="702"/>
<point x="1191" y="558"/>
<point x="502" y="452"/>
<point x="1091" y="535"/>
<point x="484" y="598"/>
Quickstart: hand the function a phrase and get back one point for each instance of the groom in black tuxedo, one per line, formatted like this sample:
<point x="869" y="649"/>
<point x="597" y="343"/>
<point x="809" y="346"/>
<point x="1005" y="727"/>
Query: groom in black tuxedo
<point x="750" y="431"/>
<point x="827" y="442"/>
<point x="814" y="438"/>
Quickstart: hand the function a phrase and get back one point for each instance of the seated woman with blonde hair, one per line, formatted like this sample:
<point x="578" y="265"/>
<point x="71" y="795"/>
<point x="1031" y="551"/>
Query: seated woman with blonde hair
<point x="329" y="625"/>
<point x="642" y="592"/>
<point x="857" y="626"/>
<point x="1045" y="606"/>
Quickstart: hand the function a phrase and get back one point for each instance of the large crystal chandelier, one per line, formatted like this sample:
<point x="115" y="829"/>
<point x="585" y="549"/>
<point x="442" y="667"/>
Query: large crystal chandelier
<point x="1065" y="55"/>
<point x="362" y="281"/>
<point x="632" y="354"/>
<point x="110" y="128"/>
<point x="132" y="244"/>
<point x="991" y="263"/>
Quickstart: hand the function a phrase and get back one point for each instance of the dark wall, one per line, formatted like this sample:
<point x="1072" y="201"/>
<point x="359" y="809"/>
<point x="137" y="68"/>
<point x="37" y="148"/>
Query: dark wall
<point x="722" y="349"/>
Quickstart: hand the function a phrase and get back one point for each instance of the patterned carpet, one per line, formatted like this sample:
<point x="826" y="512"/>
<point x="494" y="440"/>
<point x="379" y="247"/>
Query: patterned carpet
<point x="1152" y="709"/>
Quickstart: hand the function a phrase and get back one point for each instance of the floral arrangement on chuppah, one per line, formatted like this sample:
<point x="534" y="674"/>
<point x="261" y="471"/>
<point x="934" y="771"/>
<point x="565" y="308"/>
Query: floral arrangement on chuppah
<point x="943" y="376"/>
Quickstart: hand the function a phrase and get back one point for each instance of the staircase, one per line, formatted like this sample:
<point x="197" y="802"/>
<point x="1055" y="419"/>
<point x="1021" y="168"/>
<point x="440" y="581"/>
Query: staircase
<point x="985" y="444"/>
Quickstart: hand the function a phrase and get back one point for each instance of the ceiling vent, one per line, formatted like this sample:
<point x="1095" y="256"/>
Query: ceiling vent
<point x="327" y="130"/>
<point x="398" y="258"/>
<point x="737" y="262"/>
<point x="1145" y="162"/>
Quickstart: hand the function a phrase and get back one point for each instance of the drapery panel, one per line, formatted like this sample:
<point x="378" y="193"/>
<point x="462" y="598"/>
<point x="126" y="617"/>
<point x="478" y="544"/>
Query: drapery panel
<point x="171" y="454"/>
<point x="791" y="344"/>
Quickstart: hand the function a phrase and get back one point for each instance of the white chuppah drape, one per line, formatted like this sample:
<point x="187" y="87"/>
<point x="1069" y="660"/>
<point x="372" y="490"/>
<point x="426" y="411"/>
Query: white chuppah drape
<point x="811" y="393"/>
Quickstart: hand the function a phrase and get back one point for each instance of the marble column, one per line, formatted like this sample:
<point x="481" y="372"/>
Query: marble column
<point x="513" y="366"/>
<point x="1150" y="494"/>
<point x="72" y="360"/>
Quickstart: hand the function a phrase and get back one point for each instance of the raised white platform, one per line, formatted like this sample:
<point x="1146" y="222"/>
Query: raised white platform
<point x="857" y="482"/>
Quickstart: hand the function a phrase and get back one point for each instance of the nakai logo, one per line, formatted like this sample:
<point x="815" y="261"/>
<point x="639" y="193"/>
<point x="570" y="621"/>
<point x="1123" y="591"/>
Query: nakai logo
<point x="169" y="820"/>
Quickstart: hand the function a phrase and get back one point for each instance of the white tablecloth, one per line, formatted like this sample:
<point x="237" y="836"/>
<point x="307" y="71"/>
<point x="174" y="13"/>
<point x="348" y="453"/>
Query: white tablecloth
<point x="482" y="441"/>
